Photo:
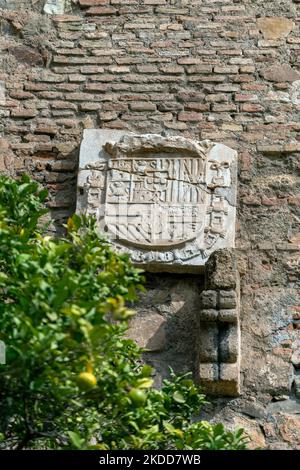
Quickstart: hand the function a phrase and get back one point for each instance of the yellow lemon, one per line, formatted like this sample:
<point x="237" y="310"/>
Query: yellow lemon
<point x="86" y="381"/>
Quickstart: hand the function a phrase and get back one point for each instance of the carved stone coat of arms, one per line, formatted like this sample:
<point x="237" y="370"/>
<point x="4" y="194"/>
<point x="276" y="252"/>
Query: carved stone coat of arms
<point x="167" y="201"/>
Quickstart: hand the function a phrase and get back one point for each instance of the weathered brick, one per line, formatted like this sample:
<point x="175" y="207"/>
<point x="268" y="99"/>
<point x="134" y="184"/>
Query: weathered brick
<point x="226" y="69"/>
<point x="79" y="97"/>
<point x="172" y="69"/>
<point x="137" y="26"/>
<point x="96" y="87"/>
<point x="245" y="97"/>
<point x="195" y="106"/>
<point x="221" y="108"/>
<point x="67" y="19"/>
<point x="101" y="11"/>
<point x="91" y="69"/>
<point x="147" y="68"/>
<point x="252" y="108"/>
<point x="24" y="113"/>
<point x="190" y="117"/>
<point x="201" y="68"/>
<point x="93" y="3"/>
<point x="107" y="116"/>
<point x="142" y="106"/>
<point x="90" y="106"/>
<point x="50" y="95"/>
<point x="21" y="95"/>
<point x="63" y="105"/>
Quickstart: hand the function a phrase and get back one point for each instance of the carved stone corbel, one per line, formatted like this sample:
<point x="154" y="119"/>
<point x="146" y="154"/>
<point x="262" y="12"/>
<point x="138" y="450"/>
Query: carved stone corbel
<point x="218" y="357"/>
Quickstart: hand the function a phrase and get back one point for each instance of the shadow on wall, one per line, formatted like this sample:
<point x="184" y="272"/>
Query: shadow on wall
<point x="166" y="324"/>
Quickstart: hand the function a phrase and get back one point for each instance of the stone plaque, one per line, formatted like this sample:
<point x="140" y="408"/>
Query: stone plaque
<point x="167" y="201"/>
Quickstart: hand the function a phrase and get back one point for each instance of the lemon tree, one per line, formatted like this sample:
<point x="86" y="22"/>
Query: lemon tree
<point x="71" y="378"/>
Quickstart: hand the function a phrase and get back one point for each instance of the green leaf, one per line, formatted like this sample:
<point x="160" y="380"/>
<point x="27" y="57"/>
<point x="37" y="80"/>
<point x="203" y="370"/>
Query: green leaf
<point x="76" y="440"/>
<point x="178" y="397"/>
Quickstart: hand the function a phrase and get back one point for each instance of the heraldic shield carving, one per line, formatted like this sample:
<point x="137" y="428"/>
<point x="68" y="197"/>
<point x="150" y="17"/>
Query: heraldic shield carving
<point x="167" y="201"/>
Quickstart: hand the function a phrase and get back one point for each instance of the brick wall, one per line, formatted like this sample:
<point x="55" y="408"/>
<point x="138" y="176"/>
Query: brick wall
<point x="210" y="69"/>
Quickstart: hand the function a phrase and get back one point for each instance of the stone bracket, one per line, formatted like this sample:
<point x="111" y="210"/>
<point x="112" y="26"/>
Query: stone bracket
<point x="218" y="356"/>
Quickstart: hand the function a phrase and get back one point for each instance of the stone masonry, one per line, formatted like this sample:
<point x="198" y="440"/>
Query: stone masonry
<point x="222" y="70"/>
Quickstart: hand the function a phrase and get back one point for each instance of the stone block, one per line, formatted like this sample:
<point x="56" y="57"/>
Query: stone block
<point x="289" y="428"/>
<point x="228" y="344"/>
<point x="275" y="27"/>
<point x="280" y="73"/>
<point x="228" y="316"/>
<point x="209" y="315"/>
<point x="209" y="299"/>
<point x="208" y="372"/>
<point x="227" y="299"/>
<point x="55" y="7"/>
<point x="252" y="429"/>
<point x="213" y="384"/>
<point x="221" y="270"/>
<point x="208" y="342"/>
<point x="228" y="371"/>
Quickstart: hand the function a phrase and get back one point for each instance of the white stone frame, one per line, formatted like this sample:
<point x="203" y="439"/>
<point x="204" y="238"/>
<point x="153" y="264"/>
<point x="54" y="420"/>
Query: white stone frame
<point x="213" y="226"/>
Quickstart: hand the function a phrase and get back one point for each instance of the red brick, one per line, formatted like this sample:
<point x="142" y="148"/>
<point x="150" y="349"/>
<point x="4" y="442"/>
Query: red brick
<point x="63" y="105"/>
<point x="245" y="97"/>
<point x="101" y="11"/>
<point x="79" y="97"/>
<point x="36" y="86"/>
<point x="50" y="95"/>
<point x="24" y="113"/>
<point x="172" y="69"/>
<point x="21" y="95"/>
<point x="226" y="70"/>
<point x="147" y="68"/>
<point x="44" y="129"/>
<point x="220" y="108"/>
<point x="252" y="108"/>
<point x="93" y="3"/>
<point x="142" y="106"/>
<point x="190" y="117"/>
<point x="67" y="18"/>
<point x="90" y="106"/>
<point x="246" y="161"/>
<point x="202" y="68"/>
<point x="194" y="106"/>
<point x="96" y="87"/>
<point x="91" y="69"/>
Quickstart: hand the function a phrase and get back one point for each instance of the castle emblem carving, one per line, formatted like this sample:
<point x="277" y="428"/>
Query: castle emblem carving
<point x="167" y="201"/>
